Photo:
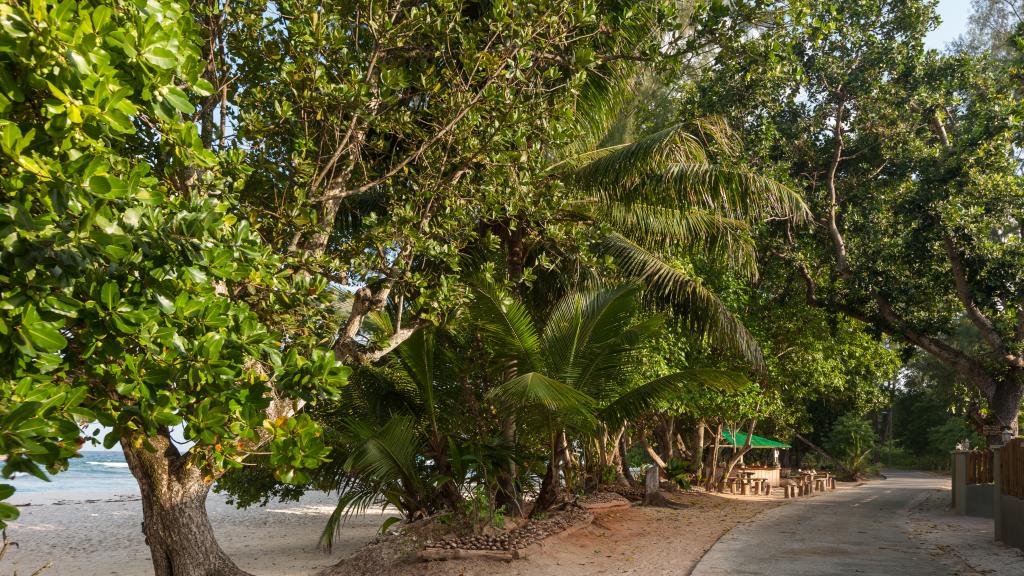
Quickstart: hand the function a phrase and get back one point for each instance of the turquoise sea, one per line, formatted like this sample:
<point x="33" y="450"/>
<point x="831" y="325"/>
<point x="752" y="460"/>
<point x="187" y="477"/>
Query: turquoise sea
<point x="94" y="471"/>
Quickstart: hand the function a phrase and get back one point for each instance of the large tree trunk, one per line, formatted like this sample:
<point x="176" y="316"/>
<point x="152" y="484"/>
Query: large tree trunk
<point x="1005" y="407"/>
<point x="175" y="523"/>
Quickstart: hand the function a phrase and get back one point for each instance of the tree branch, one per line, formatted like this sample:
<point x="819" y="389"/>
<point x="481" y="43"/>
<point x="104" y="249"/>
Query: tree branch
<point x="952" y="357"/>
<point x="977" y="317"/>
<point x="842" y="261"/>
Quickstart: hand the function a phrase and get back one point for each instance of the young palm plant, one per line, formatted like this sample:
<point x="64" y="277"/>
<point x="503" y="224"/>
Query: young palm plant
<point x="393" y="439"/>
<point x="574" y="369"/>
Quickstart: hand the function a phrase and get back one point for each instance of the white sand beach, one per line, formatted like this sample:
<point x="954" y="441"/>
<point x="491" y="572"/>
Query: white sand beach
<point x="96" y="534"/>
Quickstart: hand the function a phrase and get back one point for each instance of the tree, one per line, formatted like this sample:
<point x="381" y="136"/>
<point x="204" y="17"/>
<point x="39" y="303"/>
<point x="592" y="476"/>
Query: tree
<point x="387" y="137"/>
<point x="907" y="159"/>
<point x="134" y="294"/>
<point x="990" y="29"/>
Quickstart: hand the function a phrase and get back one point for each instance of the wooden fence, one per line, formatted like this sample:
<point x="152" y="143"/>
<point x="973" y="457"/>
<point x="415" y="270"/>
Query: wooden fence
<point x="979" y="467"/>
<point x="1011" y="468"/>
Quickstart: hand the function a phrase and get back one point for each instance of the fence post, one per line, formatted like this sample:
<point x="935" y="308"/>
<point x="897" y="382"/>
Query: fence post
<point x="960" y="482"/>
<point x="997" y="497"/>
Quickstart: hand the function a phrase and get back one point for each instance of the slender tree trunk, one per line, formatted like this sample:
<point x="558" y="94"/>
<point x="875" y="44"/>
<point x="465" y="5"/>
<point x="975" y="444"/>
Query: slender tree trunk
<point x="507" y="496"/>
<point x="617" y="456"/>
<point x="665" y="432"/>
<point x="698" y="452"/>
<point x="548" y="494"/>
<point x="740" y="451"/>
<point x="711" y="485"/>
<point x="624" y="454"/>
<point x="175" y="523"/>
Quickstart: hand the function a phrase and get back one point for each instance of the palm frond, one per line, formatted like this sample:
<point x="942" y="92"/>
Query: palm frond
<point x="733" y="191"/>
<point x="646" y="396"/>
<point x="388" y="454"/>
<point x="580" y="322"/>
<point x="687" y="296"/>
<point x="626" y="164"/>
<point x="683" y="231"/>
<point x="536" y="389"/>
<point x="417" y="357"/>
<point x="354" y="499"/>
<point x="509" y="326"/>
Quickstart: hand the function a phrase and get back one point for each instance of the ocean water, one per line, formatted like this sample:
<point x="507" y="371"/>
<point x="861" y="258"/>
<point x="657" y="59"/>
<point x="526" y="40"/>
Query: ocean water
<point x="103" y="472"/>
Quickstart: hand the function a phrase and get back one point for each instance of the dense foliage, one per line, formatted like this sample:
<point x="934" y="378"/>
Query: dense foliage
<point x="468" y="258"/>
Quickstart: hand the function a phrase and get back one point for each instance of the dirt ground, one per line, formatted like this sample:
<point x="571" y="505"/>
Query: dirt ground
<point x="634" y="540"/>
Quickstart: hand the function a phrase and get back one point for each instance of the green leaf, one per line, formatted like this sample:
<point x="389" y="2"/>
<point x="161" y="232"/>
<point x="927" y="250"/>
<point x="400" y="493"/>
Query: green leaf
<point x="203" y="87"/>
<point x="41" y="333"/>
<point x="8" y="513"/>
<point x="165" y="304"/>
<point x="177" y="97"/>
<point x="110" y="295"/>
<point x="107" y="187"/>
<point x="160" y="57"/>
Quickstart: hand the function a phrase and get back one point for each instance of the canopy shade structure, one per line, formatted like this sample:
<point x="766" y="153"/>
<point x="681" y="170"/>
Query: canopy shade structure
<point x="739" y="439"/>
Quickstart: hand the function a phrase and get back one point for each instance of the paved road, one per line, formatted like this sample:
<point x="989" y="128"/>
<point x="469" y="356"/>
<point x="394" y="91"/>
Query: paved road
<point x="861" y="530"/>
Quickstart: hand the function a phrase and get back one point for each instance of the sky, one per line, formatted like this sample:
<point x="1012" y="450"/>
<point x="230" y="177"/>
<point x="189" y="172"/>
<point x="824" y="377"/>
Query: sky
<point x="954" y="15"/>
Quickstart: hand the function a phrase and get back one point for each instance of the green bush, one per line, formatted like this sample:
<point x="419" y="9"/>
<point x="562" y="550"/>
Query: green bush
<point x="850" y="437"/>
<point x="944" y="437"/>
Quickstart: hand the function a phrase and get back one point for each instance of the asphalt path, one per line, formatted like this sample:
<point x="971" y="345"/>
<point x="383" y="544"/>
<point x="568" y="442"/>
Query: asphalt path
<point x="859" y="530"/>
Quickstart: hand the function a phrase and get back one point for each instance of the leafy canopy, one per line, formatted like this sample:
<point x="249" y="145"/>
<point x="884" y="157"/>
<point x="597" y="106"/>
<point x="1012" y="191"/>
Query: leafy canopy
<point x="130" y="291"/>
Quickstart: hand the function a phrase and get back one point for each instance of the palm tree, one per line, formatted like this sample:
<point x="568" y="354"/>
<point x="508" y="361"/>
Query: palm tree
<point x="393" y="436"/>
<point x="678" y="193"/>
<point x="574" y="370"/>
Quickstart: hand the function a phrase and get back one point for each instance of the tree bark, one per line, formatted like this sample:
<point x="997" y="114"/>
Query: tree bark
<point x="548" y="494"/>
<point x="739" y="451"/>
<point x="714" y="459"/>
<point x="665" y="432"/>
<point x="698" y="452"/>
<point x="175" y="523"/>
<point x="627" y="474"/>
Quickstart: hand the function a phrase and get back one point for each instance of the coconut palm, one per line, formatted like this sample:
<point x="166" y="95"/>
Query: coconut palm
<point x="679" y="192"/>
<point x="576" y="367"/>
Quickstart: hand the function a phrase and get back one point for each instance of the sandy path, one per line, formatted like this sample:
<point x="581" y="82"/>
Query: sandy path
<point x="84" y="537"/>
<point x="635" y="540"/>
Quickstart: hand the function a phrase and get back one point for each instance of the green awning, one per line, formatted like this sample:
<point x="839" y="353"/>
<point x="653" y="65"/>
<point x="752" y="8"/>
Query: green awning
<point x="740" y="439"/>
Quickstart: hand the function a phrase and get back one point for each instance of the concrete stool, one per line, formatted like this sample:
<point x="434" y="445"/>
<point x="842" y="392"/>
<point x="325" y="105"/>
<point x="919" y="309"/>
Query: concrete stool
<point x="731" y="484"/>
